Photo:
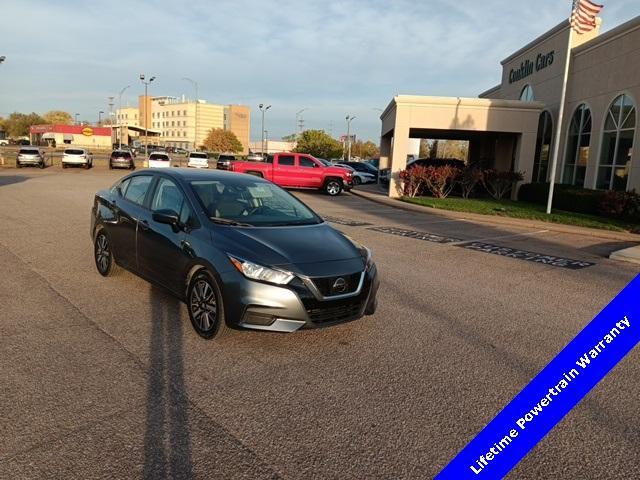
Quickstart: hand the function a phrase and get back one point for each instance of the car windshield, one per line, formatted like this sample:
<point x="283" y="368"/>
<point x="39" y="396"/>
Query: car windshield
<point x="253" y="203"/>
<point x="326" y="163"/>
<point x="28" y="151"/>
<point x="158" y="156"/>
<point x="226" y="157"/>
<point x="72" y="151"/>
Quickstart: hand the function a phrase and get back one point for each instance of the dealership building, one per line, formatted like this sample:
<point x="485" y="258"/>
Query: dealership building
<point x="512" y="126"/>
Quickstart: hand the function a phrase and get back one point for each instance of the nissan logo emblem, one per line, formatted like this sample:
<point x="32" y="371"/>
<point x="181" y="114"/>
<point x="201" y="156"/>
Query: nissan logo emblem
<point x="340" y="285"/>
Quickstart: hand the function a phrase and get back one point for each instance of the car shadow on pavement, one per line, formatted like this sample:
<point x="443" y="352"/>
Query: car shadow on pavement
<point x="11" y="179"/>
<point x="167" y="438"/>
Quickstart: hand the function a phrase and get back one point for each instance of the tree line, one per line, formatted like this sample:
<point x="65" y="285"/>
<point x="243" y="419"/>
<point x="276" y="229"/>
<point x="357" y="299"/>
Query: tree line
<point x="17" y="124"/>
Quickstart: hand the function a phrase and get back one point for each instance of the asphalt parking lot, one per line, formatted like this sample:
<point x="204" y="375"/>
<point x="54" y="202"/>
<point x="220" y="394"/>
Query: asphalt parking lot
<point x="105" y="378"/>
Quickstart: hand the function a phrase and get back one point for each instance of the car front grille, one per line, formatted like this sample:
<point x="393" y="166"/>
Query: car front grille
<point x="336" y="313"/>
<point x="332" y="286"/>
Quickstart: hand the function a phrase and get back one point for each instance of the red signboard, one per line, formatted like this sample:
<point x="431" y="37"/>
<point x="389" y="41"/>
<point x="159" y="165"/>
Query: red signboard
<point x="72" y="129"/>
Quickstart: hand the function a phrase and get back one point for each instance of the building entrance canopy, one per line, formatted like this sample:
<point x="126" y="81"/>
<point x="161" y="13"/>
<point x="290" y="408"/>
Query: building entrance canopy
<point x="503" y="129"/>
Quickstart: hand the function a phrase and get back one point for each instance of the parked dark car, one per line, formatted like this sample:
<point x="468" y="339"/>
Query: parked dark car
<point x="121" y="159"/>
<point x="363" y="167"/>
<point x="237" y="249"/>
<point x="33" y="156"/>
<point x="224" y="161"/>
<point x="436" y="162"/>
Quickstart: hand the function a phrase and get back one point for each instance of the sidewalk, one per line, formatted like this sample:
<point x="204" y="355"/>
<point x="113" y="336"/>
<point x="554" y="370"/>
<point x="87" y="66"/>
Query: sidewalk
<point x="377" y="193"/>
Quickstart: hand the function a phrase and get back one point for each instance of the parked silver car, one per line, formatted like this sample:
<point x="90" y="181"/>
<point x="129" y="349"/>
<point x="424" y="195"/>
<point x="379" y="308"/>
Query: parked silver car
<point x="77" y="157"/>
<point x="33" y="156"/>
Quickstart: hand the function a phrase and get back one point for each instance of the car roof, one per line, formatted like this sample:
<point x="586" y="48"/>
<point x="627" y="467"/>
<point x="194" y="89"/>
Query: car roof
<point x="189" y="174"/>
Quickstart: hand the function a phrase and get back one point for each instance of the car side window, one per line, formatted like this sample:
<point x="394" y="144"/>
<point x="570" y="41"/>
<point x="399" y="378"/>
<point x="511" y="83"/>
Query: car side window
<point x="137" y="189"/>
<point x="307" y="162"/>
<point x="287" y="160"/>
<point x="167" y="197"/>
<point x="123" y="185"/>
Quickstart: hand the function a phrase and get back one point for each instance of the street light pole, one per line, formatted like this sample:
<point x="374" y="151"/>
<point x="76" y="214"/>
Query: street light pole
<point x="100" y="118"/>
<point x="263" y="109"/>
<point x="195" y="122"/>
<point x="120" y="113"/>
<point x="76" y="118"/>
<point x="349" y="119"/>
<point x="146" y="128"/>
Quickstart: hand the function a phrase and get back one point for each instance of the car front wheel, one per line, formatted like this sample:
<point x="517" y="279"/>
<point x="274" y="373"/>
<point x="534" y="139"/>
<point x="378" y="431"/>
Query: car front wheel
<point x="357" y="181"/>
<point x="204" y="302"/>
<point x="333" y="187"/>
<point x="103" y="254"/>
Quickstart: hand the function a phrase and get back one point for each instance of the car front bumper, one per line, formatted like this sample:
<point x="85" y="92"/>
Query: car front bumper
<point x="262" y="306"/>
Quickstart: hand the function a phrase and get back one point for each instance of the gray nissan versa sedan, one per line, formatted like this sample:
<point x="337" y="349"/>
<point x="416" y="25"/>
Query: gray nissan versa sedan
<point x="239" y="250"/>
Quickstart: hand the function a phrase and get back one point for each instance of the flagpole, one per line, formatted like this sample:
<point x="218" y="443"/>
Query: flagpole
<point x="556" y="144"/>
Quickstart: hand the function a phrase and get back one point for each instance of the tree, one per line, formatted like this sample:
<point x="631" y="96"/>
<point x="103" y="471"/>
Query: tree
<point x="17" y="124"/>
<point x="366" y="149"/>
<point x="220" y="140"/>
<point x="319" y="144"/>
<point x="58" y="117"/>
<point x="290" y="138"/>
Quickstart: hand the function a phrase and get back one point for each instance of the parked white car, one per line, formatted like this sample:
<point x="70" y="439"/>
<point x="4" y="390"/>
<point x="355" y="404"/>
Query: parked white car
<point x="198" y="160"/>
<point x="77" y="157"/>
<point x="359" y="178"/>
<point x="4" y="143"/>
<point x="159" y="160"/>
<point x="30" y="156"/>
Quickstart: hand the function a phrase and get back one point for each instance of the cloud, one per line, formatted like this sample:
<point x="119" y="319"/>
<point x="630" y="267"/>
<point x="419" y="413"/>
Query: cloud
<point x="333" y="57"/>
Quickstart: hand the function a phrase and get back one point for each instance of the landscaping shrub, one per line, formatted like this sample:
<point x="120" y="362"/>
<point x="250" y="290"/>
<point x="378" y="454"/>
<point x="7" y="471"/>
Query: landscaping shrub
<point x="498" y="184"/>
<point x="440" y="180"/>
<point x="565" y="197"/>
<point x="468" y="179"/>
<point x="412" y="181"/>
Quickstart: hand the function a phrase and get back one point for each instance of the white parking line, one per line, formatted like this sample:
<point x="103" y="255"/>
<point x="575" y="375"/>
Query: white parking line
<point x="525" y="234"/>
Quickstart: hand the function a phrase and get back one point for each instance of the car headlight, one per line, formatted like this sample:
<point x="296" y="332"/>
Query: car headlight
<point x="260" y="272"/>
<point x="366" y="256"/>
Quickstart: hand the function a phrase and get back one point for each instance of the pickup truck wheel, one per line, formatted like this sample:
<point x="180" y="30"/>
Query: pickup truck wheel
<point x="333" y="187"/>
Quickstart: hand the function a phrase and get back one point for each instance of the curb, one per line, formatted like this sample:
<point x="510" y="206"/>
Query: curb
<point x="497" y="220"/>
<point x="631" y="255"/>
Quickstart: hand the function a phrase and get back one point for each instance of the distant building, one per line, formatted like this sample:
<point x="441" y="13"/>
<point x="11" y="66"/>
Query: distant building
<point x="272" y="146"/>
<point x="76" y="135"/>
<point x="179" y="122"/>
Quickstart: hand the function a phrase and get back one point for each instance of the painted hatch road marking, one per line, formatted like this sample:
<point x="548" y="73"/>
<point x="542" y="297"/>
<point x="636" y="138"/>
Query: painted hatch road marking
<point x="344" y="221"/>
<point x="427" y="237"/>
<point x="550" y="260"/>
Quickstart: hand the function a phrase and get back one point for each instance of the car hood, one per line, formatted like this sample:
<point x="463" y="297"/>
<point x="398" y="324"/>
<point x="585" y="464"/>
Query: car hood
<point x="313" y="250"/>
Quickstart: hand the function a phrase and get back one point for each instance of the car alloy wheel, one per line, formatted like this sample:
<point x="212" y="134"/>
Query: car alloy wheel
<point x="205" y="306"/>
<point x="333" y="187"/>
<point x="104" y="255"/>
<point x="357" y="181"/>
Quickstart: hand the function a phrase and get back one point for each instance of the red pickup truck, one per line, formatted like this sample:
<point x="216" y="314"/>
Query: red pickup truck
<point x="298" y="170"/>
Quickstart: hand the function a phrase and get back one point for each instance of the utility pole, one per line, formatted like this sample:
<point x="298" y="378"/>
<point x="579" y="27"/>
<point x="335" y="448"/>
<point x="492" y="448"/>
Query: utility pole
<point x="263" y="109"/>
<point x="349" y="119"/>
<point x="146" y="128"/>
<point x="120" y="113"/>
<point x="299" y="123"/>
<point x="111" y="117"/>
<point x="195" y="122"/>
<point x="75" y="121"/>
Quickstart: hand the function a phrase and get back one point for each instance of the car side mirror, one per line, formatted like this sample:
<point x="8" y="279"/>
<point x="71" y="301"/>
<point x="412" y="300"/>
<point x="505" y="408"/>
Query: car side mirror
<point x="168" y="217"/>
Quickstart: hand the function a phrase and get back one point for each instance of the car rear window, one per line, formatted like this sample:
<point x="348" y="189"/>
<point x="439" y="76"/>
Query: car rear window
<point x="158" y="156"/>
<point x="120" y="155"/>
<point x="73" y="151"/>
<point x="226" y="157"/>
<point x="198" y="155"/>
<point x="28" y="151"/>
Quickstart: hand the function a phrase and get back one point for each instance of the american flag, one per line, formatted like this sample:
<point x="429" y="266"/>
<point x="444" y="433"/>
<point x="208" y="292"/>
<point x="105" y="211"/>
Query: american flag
<point x="583" y="17"/>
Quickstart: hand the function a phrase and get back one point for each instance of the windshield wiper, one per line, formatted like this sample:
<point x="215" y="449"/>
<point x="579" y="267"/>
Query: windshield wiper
<point x="226" y="221"/>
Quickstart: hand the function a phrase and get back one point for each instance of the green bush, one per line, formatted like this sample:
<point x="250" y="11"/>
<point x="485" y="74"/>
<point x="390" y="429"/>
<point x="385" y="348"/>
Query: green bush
<point x="565" y="197"/>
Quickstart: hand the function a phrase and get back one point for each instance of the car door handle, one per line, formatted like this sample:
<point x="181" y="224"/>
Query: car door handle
<point x="144" y="225"/>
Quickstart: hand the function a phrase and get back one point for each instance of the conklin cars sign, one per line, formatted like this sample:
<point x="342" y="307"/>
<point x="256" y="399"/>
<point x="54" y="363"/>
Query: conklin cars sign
<point x="528" y="67"/>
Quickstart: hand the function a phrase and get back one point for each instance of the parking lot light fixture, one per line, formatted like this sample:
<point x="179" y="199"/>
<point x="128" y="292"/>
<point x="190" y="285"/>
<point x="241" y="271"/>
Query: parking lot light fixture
<point x="263" y="109"/>
<point x="349" y="119"/>
<point x="76" y="118"/>
<point x="146" y="129"/>
<point x="120" y="114"/>
<point x="100" y="118"/>
<point x="2" y="58"/>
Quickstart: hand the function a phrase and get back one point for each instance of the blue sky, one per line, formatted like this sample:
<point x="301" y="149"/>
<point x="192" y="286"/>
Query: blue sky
<point x="332" y="57"/>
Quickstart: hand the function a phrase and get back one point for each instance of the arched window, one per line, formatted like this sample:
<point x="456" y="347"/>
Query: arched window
<point x="543" y="148"/>
<point x="527" y="94"/>
<point x="617" y="145"/>
<point x="578" y="141"/>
